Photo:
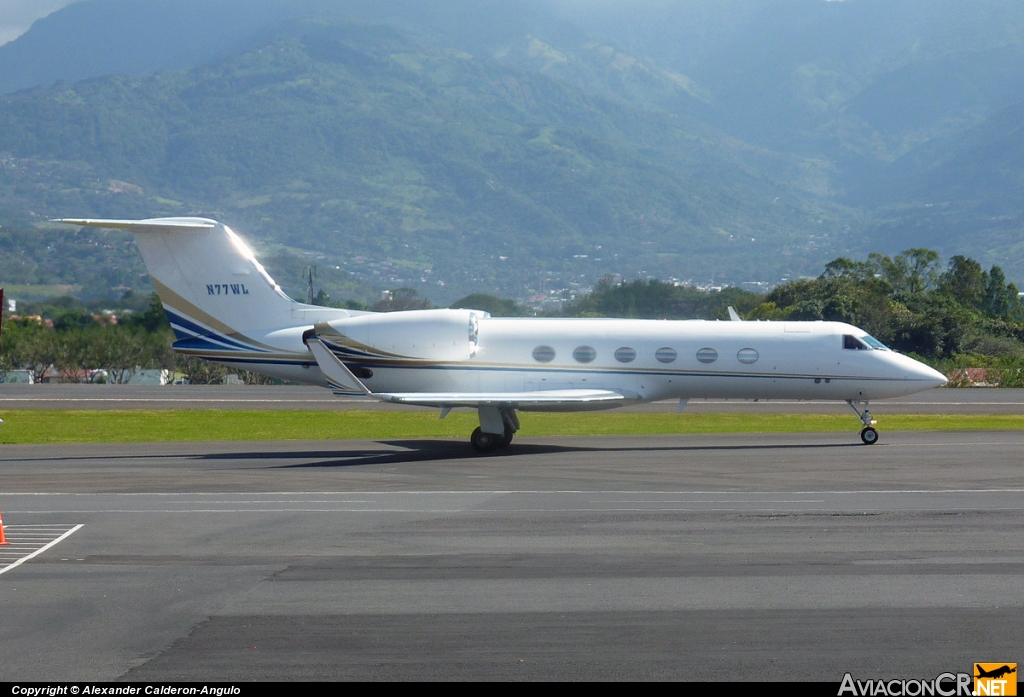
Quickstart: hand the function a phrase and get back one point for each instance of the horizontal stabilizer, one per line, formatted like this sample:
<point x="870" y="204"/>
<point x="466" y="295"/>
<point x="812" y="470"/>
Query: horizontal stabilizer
<point x="150" y="225"/>
<point x="518" y="400"/>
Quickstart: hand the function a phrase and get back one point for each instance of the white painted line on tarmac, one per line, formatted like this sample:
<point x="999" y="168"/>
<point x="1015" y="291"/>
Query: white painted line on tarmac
<point x="840" y="404"/>
<point x="42" y="549"/>
<point x="240" y="400"/>
<point x="759" y="501"/>
<point x="559" y="509"/>
<point x="262" y="495"/>
<point x="176" y="511"/>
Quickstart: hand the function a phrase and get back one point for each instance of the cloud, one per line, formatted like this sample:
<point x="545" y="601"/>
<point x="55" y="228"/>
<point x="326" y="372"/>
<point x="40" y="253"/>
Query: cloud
<point x="16" y="16"/>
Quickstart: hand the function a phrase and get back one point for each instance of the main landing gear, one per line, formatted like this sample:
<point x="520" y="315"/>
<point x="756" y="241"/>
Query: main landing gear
<point x="868" y="434"/>
<point x="487" y="442"/>
<point x="497" y="427"/>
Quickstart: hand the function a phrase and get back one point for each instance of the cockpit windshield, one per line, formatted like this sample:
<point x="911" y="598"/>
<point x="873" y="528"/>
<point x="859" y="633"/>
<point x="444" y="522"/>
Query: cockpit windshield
<point x="862" y="343"/>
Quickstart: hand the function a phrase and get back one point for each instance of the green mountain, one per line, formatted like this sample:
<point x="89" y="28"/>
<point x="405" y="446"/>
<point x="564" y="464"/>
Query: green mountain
<point x="507" y="146"/>
<point x="129" y="37"/>
<point x="964" y="191"/>
<point x="406" y="164"/>
<point x="866" y="79"/>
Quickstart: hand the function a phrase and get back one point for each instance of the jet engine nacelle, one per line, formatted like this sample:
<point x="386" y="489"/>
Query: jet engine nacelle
<point x="431" y="335"/>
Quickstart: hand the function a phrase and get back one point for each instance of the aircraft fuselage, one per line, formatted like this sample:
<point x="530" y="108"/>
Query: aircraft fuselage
<point x="461" y="351"/>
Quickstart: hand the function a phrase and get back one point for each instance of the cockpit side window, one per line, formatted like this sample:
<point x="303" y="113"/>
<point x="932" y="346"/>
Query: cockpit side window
<point x="853" y="343"/>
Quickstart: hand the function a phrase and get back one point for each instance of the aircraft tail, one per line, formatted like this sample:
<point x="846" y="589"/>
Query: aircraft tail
<point x="209" y="281"/>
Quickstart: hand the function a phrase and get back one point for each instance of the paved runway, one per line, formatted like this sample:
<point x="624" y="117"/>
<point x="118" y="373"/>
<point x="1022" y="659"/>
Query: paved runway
<point x="940" y="401"/>
<point x="751" y="557"/>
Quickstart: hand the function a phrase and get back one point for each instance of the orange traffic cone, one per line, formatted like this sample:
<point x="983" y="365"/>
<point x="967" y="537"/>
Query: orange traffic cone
<point x="3" y="540"/>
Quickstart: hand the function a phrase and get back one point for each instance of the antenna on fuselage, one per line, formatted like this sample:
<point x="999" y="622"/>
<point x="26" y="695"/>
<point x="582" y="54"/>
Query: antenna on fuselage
<point x="308" y="275"/>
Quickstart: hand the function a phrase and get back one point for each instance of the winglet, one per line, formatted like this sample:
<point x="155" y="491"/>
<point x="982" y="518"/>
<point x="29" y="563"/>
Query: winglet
<point x="733" y="315"/>
<point x="336" y="372"/>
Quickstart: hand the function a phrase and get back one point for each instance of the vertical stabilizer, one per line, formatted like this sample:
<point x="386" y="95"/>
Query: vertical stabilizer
<point x="209" y="281"/>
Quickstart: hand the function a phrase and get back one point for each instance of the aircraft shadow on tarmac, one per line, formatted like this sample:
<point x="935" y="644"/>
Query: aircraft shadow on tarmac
<point x="432" y="450"/>
<point x="426" y="450"/>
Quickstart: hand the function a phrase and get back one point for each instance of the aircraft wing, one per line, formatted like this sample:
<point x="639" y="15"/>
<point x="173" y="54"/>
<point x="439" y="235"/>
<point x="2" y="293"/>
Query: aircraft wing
<point x="541" y="399"/>
<point x="344" y="382"/>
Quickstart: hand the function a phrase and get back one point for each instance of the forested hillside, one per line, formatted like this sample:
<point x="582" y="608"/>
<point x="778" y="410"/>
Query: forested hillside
<point x="523" y="146"/>
<point x="364" y="145"/>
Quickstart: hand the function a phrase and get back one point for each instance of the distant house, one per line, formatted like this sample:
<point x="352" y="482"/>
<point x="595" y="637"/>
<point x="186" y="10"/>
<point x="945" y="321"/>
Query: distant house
<point x="16" y="377"/>
<point x="150" y="376"/>
<point x="970" y="377"/>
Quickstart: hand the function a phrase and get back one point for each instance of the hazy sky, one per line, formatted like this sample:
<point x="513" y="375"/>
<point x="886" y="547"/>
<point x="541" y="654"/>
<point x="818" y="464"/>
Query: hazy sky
<point x="16" y="16"/>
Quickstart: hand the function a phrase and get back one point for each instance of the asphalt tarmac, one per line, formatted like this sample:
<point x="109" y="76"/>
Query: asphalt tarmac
<point x="745" y="557"/>
<point x="58" y="396"/>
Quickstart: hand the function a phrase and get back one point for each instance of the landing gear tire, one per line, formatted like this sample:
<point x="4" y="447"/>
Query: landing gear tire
<point x="485" y="442"/>
<point x="869" y="436"/>
<point x="505" y="440"/>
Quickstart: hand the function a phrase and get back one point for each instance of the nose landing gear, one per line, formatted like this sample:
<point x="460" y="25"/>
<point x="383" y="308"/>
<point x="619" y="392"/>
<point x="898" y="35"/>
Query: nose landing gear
<point x="868" y="434"/>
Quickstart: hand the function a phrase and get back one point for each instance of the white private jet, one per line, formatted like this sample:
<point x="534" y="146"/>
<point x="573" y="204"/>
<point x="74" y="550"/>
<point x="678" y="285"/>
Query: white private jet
<point x="224" y="307"/>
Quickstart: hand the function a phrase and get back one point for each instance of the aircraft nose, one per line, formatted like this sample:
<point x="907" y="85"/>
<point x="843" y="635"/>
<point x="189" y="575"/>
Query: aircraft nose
<point x="930" y="375"/>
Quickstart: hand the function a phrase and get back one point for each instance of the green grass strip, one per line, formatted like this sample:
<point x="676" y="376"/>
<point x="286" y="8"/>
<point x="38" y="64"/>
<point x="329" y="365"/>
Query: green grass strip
<point x="64" y="426"/>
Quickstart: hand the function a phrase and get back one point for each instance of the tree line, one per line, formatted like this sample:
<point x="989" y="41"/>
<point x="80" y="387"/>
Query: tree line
<point x="83" y="344"/>
<point x="954" y="316"/>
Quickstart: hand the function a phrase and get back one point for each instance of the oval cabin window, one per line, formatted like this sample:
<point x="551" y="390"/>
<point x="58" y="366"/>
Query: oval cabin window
<point x="707" y="355"/>
<point x="747" y="355"/>
<point x="544" y="354"/>
<point x="625" y="355"/>
<point x="666" y="354"/>
<point x="584" y="354"/>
